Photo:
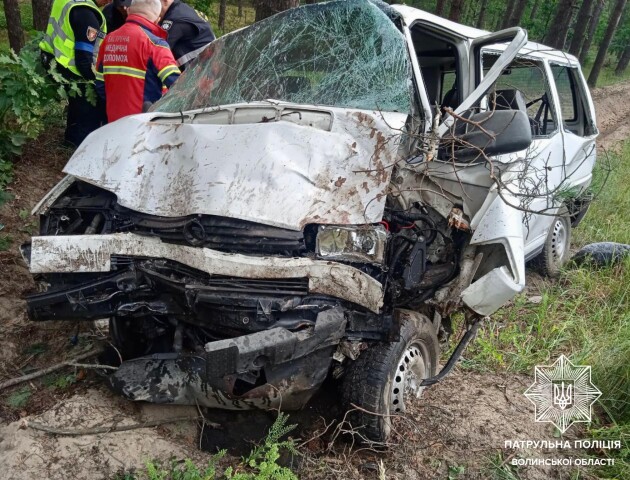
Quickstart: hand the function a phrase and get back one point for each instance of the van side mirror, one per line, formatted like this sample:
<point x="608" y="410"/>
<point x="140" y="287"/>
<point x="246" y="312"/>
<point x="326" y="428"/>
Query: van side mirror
<point x="495" y="133"/>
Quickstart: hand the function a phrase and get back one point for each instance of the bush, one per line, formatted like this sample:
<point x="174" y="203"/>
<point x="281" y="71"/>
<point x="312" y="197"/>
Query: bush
<point x="28" y="97"/>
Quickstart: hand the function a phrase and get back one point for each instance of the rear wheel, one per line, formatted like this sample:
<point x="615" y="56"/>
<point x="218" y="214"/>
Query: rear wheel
<point x="387" y="376"/>
<point x="556" y="250"/>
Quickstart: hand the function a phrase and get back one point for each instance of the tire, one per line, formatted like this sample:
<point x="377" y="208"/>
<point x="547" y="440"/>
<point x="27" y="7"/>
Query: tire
<point x="381" y="380"/>
<point x="555" y="253"/>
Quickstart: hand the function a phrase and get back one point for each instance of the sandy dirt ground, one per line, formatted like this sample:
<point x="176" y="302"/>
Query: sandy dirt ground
<point x="612" y="107"/>
<point x="463" y="421"/>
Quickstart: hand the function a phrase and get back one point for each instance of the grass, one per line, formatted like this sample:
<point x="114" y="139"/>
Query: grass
<point x="584" y="315"/>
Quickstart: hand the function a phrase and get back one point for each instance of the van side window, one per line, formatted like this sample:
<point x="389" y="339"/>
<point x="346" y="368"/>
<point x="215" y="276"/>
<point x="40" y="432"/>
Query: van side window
<point x="576" y="115"/>
<point x="565" y="92"/>
<point x="524" y="86"/>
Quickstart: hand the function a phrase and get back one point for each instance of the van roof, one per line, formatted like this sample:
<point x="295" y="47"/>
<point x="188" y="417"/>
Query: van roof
<point x="533" y="49"/>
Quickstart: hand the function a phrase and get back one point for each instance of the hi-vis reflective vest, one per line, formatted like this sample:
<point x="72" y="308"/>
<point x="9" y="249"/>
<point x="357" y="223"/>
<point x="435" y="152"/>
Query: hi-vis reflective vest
<point x="59" y="38"/>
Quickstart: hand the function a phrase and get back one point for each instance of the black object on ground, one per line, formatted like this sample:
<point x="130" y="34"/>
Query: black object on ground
<point x="602" y="253"/>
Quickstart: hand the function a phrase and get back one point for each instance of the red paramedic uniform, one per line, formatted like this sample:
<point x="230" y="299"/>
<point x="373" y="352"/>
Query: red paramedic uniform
<point x="134" y="64"/>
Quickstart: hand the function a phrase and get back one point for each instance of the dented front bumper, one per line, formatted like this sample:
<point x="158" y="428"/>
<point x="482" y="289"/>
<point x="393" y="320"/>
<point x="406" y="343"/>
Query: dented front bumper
<point x="93" y="253"/>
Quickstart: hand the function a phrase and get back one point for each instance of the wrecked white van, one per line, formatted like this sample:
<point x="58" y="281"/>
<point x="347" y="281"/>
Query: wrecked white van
<point x="317" y="195"/>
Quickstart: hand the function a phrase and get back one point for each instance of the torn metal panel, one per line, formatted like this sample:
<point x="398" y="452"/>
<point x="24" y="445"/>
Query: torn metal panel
<point x="92" y="253"/>
<point x="266" y="369"/>
<point x="277" y="172"/>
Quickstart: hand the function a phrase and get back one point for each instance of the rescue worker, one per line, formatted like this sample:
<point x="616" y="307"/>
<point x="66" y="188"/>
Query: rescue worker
<point x="188" y="32"/>
<point x="135" y="62"/>
<point x="75" y="28"/>
<point x="115" y="14"/>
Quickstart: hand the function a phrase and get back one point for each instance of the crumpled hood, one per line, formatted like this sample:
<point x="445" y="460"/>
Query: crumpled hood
<point x="242" y="164"/>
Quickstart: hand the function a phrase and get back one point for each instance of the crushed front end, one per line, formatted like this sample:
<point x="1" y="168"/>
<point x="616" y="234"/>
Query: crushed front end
<point x="203" y="310"/>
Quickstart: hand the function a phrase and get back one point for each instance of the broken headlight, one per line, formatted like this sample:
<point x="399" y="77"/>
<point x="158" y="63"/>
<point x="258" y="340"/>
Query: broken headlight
<point x="363" y="243"/>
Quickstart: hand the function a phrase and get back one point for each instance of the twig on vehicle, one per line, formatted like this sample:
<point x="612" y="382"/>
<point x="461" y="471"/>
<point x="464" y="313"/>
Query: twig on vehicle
<point x="46" y="371"/>
<point x="112" y="428"/>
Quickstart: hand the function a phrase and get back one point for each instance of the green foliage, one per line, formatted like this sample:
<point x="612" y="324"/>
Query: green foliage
<point x="59" y="382"/>
<point x="260" y="464"/>
<point x="263" y="459"/>
<point x="29" y="97"/>
<point x="184" y="471"/>
<point x="19" y="398"/>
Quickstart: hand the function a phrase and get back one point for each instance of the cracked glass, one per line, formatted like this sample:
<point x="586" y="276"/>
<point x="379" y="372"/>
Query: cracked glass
<point x="344" y="53"/>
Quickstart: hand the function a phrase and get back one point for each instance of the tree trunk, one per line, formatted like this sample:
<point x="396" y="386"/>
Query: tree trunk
<point x="592" y="28"/>
<point x="532" y="14"/>
<point x="624" y="60"/>
<point x="440" y="7"/>
<point x="509" y="6"/>
<point x="482" y="13"/>
<point x="613" y="22"/>
<point x="14" y="25"/>
<point x="557" y="31"/>
<point x="239" y="3"/>
<point x="41" y="13"/>
<point x="267" y="8"/>
<point x="581" y="24"/>
<point x="517" y="13"/>
<point x="222" y="8"/>
<point x="455" y="13"/>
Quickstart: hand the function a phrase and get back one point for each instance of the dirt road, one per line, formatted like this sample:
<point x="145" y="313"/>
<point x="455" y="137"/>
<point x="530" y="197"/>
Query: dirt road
<point x="456" y="430"/>
<point x="612" y="105"/>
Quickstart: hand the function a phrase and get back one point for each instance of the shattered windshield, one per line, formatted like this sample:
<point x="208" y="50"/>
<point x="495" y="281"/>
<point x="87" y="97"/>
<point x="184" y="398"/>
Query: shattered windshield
<point x="343" y="53"/>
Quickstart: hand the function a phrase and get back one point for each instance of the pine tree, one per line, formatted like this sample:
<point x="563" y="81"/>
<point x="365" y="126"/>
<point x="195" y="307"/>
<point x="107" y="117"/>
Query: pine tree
<point x="440" y="7"/>
<point x="266" y="8"/>
<point x="559" y="28"/>
<point x="455" y="13"/>
<point x="41" y="13"/>
<point x="613" y="22"/>
<point x="14" y="24"/>
<point x="592" y="27"/>
<point x="581" y="24"/>
<point x="624" y="60"/>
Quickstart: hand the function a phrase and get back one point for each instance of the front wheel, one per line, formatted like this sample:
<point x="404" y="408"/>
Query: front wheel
<point x="556" y="250"/>
<point x="387" y="376"/>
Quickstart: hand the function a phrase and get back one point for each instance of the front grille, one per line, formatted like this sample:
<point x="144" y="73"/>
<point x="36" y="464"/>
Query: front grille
<point x="218" y="233"/>
<point x="87" y="209"/>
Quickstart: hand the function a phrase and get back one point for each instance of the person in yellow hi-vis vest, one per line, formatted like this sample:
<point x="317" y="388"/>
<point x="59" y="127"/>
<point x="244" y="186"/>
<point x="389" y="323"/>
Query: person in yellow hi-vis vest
<point x="75" y="30"/>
